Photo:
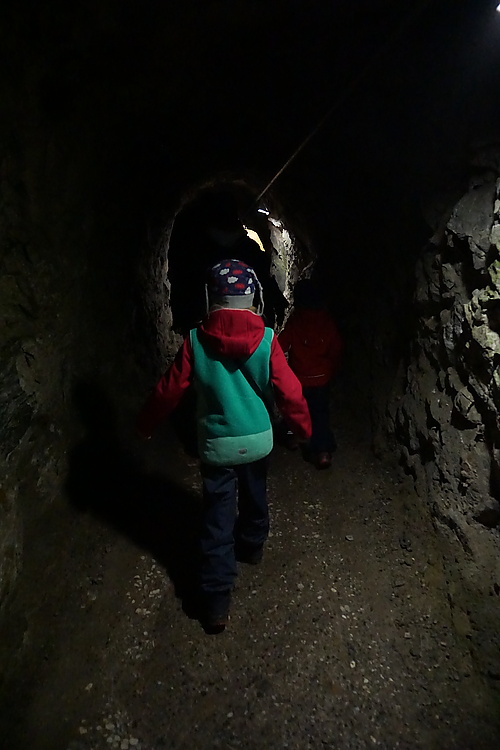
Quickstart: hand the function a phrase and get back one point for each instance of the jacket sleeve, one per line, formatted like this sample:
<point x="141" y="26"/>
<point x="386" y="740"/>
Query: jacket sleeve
<point x="168" y="391"/>
<point x="288" y="393"/>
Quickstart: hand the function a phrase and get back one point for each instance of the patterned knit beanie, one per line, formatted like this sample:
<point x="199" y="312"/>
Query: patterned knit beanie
<point x="231" y="283"/>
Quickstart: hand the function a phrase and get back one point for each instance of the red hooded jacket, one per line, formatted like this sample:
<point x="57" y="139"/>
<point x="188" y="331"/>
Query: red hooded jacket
<point x="235" y="334"/>
<point x="313" y="344"/>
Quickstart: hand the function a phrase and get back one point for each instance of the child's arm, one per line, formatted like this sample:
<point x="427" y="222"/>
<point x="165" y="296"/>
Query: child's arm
<point x="288" y="393"/>
<point x="168" y="391"/>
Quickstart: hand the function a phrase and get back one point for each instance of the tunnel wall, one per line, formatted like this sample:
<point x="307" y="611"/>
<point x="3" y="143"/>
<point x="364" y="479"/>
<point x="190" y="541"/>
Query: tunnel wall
<point x="444" y="413"/>
<point x="41" y="272"/>
<point x="65" y="294"/>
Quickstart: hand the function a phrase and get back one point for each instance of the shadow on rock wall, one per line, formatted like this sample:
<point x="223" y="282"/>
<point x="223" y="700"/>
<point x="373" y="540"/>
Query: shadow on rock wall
<point x="106" y="479"/>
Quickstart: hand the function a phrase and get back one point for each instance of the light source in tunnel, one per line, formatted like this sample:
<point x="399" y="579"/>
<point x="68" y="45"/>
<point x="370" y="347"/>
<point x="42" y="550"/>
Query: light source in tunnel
<point x="263" y="211"/>
<point x="498" y="8"/>
<point x="255" y="237"/>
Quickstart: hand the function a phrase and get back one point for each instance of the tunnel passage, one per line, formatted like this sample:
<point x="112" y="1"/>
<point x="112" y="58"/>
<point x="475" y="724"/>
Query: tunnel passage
<point x="59" y="184"/>
<point x="224" y="220"/>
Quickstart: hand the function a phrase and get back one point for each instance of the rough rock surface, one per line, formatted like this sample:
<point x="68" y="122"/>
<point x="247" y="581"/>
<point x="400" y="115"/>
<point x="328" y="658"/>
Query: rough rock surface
<point x="445" y="412"/>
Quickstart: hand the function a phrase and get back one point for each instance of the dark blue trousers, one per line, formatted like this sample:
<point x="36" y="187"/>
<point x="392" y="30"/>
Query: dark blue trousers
<point x="318" y="401"/>
<point x="234" y="510"/>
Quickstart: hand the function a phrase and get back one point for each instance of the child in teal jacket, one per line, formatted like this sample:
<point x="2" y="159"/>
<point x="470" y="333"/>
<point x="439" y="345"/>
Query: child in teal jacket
<point x="237" y="367"/>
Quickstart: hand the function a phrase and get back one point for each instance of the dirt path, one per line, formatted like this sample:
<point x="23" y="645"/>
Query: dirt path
<point x="342" y="638"/>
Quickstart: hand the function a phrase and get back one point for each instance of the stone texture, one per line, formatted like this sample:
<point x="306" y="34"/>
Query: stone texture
<point x="473" y="215"/>
<point x="10" y="541"/>
<point x="446" y="415"/>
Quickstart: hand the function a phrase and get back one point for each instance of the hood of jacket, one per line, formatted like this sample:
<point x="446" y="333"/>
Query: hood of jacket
<point x="310" y="319"/>
<point x="232" y="333"/>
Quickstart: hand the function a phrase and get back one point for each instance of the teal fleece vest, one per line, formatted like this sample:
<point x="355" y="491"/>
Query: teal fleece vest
<point x="234" y="426"/>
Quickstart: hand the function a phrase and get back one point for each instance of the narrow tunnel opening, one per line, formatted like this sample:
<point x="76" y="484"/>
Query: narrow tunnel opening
<point x="222" y="220"/>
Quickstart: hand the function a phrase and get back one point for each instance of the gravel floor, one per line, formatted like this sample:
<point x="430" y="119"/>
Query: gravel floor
<point x="342" y="638"/>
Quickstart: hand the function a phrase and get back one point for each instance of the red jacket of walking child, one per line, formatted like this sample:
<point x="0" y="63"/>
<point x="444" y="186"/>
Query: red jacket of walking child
<point x="311" y="338"/>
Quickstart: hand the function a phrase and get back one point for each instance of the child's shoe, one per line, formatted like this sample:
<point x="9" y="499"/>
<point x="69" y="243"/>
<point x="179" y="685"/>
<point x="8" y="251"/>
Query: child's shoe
<point x="213" y="625"/>
<point x="248" y="555"/>
<point x="215" y="612"/>
<point x="324" y="460"/>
